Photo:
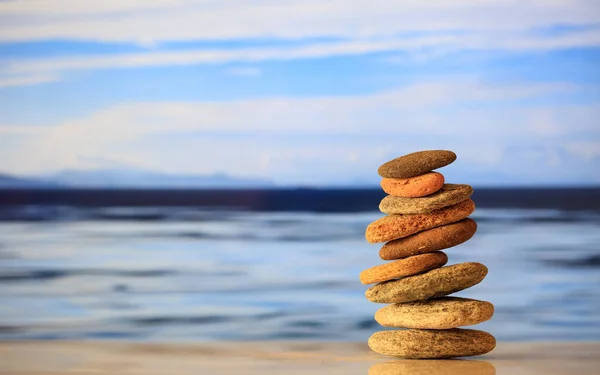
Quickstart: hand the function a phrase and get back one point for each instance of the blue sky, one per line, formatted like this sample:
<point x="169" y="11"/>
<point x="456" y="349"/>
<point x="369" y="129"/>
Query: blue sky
<point x="302" y="92"/>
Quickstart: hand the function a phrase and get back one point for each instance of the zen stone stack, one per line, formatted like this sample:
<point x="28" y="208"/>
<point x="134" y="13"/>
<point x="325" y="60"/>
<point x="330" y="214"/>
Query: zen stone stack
<point x="425" y="215"/>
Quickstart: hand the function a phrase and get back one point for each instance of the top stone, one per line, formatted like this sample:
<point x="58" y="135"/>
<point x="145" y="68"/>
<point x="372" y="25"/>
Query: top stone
<point x="416" y="164"/>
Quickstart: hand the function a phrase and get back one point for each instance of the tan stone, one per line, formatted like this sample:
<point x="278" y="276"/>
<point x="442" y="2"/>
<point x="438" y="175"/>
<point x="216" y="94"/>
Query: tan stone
<point x="418" y="186"/>
<point x="429" y="343"/>
<point x="440" y="313"/>
<point x="448" y="195"/>
<point x="430" y="240"/>
<point x="403" y="267"/>
<point x="432" y="284"/>
<point x="393" y="227"/>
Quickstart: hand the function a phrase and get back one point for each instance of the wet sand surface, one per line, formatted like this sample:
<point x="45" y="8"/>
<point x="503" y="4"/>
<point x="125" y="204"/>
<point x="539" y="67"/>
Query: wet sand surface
<point x="61" y="357"/>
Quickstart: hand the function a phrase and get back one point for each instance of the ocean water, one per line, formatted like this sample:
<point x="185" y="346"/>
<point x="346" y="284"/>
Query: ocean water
<point x="197" y="274"/>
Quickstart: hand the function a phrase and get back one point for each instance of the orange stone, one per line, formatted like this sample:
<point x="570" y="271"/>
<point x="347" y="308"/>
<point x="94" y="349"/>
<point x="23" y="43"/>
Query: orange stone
<point x="403" y="267"/>
<point x="413" y="187"/>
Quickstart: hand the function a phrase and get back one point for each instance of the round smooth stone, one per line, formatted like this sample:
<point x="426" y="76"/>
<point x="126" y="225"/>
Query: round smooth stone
<point x="430" y="240"/>
<point x="403" y="267"/>
<point x="430" y="343"/>
<point x="440" y="313"/>
<point x="393" y="227"/>
<point x="448" y="195"/>
<point x="416" y="163"/>
<point x="433" y="367"/>
<point x="413" y="187"/>
<point x="433" y="284"/>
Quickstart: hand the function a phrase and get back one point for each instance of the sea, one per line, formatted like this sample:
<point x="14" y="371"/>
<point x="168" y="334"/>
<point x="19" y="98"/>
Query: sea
<point x="278" y="264"/>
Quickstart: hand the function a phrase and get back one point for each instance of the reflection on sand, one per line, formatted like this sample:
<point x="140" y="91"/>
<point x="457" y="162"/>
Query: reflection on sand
<point x="433" y="367"/>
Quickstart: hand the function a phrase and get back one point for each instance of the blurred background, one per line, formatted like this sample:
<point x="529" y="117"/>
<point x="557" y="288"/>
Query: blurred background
<point x="179" y="170"/>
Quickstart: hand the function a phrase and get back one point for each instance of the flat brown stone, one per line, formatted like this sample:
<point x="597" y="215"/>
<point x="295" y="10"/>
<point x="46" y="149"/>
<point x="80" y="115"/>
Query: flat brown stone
<point x="393" y="227"/>
<point x="439" y="313"/>
<point x="448" y="195"/>
<point x="430" y="343"/>
<point x="403" y="267"/>
<point x="416" y="163"/>
<point x="412" y="187"/>
<point x="430" y="240"/>
<point x="432" y="284"/>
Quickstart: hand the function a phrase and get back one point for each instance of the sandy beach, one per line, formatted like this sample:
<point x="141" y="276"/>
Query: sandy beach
<point x="60" y="357"/>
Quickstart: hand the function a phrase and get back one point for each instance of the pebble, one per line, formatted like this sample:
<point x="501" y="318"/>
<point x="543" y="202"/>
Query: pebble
<point x="403" y="267"/>
<point x="430" y="240"/>
<point x="427" y="343"/>
<point x="432" y="284"/>
<point x="416" y="163"/>
<point x="398" y="226"/>
<point x="448" y="195"/>
<point x="440" y="313"/>
<point x="413" y="187"/>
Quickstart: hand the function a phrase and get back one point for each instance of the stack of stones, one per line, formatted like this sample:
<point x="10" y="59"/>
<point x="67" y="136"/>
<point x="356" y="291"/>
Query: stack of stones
<point x="425" y="215"/>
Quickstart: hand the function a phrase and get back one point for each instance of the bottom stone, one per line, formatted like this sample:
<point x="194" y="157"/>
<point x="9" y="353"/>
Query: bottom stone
<point x="430" y="343"/>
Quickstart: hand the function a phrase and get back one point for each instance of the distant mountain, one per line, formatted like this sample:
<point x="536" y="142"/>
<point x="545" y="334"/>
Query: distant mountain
<point x="7" y="181"/>
<point x="131" y="179"/>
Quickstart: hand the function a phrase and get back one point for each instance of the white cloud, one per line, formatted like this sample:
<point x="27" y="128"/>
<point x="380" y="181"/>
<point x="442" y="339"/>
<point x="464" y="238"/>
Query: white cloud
<point x="167" y="20"/>
<point x="28" y="79"/>
<point x="389" y="111"/>
<point x="20" y="130"/>
<point x="303" y="139"/>
<point x="314" y="50"/>
<point x="80" y="8"/>
<point x="589" y="150"/>
<point x="578" y="118"/>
